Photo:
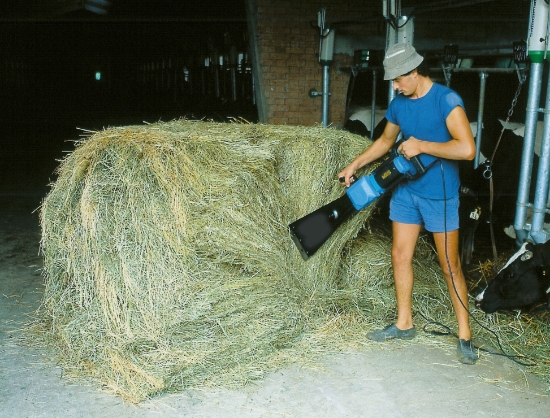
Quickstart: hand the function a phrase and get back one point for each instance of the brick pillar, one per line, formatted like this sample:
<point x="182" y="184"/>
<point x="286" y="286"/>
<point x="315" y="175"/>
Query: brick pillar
<point x="284" y="49"/>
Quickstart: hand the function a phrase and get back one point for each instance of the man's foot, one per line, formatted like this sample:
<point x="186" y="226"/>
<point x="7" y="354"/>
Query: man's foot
<point x="391" y="332"/>
<point x="466" y="351"/>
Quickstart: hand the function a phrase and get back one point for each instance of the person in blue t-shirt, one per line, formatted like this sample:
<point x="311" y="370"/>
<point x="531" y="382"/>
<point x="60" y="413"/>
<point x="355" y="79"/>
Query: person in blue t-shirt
<point x="434" y="126"/>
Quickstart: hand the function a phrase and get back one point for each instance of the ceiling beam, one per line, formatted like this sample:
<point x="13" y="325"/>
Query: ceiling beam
<point x="448" y="4"/>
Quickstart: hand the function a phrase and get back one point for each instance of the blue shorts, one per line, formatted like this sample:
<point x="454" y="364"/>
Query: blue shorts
<point x="408" y="208"/>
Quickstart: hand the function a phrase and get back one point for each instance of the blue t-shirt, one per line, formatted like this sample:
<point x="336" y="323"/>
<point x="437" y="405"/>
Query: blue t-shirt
<point x="424" y="118"/>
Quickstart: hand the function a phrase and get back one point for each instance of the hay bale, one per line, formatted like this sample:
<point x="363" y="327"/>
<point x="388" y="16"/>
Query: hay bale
<point x="168" y="263"/>
<point x="167" y="257"/>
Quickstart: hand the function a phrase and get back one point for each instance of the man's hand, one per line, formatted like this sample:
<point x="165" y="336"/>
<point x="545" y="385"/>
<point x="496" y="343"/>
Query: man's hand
<point x="410" y="148"/>
<point x="347" y="176"/>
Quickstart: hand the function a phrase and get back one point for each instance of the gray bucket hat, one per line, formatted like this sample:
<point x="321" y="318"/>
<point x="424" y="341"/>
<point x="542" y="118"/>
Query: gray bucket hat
<point x="400" y="59"/>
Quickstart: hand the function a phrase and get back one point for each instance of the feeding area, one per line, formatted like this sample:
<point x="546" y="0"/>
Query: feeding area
<point x="168" y="263"/>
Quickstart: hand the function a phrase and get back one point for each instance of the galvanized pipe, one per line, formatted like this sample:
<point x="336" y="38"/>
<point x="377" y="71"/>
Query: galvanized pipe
<point x="234" y="83"/>
<point x="391" y="92"/>
<point x="538" y="233"/>
<point x="233" y="62"/>
<point x="482" y="83"/>
<point x="325" y="94"/>
<point x="531" y="117"/>
<point x="253" y="91"/>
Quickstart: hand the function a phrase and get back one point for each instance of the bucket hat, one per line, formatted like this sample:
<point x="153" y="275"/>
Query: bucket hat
<point x="400" y="59"/>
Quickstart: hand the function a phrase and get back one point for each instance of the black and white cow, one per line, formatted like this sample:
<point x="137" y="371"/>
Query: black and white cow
<point x="360" y="122"/>
<point x="496" y="198"/>
<point x="523" y="282"/>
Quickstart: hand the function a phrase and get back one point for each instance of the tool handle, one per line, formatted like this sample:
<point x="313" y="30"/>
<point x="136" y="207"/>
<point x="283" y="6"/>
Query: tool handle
<point x="420" y="168"/>
<point x="353" y="179"/>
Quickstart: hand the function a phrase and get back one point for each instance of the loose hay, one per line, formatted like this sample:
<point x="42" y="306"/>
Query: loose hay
<point x="169" y="265"/>
<point x="167" y="256"/>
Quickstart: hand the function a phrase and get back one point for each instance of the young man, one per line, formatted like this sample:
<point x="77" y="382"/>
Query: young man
<point x="434" y="125"/>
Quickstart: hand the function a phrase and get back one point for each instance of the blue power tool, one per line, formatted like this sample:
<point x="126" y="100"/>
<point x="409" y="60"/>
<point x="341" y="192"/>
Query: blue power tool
<point x="310" y="232"/>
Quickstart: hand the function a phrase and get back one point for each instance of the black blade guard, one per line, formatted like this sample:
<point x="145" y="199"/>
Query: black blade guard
<point x="310" y="232"/>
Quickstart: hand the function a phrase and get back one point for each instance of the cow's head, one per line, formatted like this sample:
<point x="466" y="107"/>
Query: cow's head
<point x="523" y="281"/>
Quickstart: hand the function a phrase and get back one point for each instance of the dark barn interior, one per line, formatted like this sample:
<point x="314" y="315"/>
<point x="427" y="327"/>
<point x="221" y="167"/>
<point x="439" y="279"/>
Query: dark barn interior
<point x="91" y="65"/>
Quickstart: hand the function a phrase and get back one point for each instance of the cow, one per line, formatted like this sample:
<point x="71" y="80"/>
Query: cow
<point x="360" y="122"/>
<point x="496" y="198"/>
<point x="523" y="282"/>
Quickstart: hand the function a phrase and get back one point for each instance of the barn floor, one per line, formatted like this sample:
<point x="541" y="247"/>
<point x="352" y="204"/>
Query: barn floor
<point x="389" y="380"/>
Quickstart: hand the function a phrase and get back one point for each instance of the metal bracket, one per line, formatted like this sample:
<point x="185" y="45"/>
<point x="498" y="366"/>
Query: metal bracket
<point x="313" y="93"/>
<point x="522" y="74"/>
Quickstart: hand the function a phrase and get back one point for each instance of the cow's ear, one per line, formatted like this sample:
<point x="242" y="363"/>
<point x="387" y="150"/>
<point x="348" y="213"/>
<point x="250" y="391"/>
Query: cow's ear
<point x="527" y="255"/>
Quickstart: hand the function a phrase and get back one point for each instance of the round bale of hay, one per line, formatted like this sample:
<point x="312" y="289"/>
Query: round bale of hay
<point x="168" y="263"/>
<point x="167" y="256"/>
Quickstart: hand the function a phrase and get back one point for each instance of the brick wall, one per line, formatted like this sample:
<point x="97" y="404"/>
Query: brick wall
<point x="285" y="40"/>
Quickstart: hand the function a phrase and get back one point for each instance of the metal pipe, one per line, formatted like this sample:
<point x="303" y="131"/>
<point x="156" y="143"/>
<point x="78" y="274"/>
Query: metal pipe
<point x="373" y="105"/>
<point x="488" y="70"/>
<point x="484" y="70"/>
<point x="526" y="167"/>
<point x="482" y="83"/>
<point x="253" y="85"/>
<point x="325" y="94"/>
<point x="234" y="83"/>
<point x="217" y="80"/>
<point x="541" y="191"/>
<point x="233" y="62"/>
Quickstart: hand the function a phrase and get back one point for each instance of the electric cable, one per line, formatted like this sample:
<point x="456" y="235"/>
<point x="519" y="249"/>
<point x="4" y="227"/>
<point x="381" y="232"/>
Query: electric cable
<point x="448" y="330"/>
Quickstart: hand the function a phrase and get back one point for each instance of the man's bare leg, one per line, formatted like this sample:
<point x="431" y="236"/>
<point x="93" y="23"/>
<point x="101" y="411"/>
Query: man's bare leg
<point x="405" y="237"/>
<point x="450" y="257"/>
